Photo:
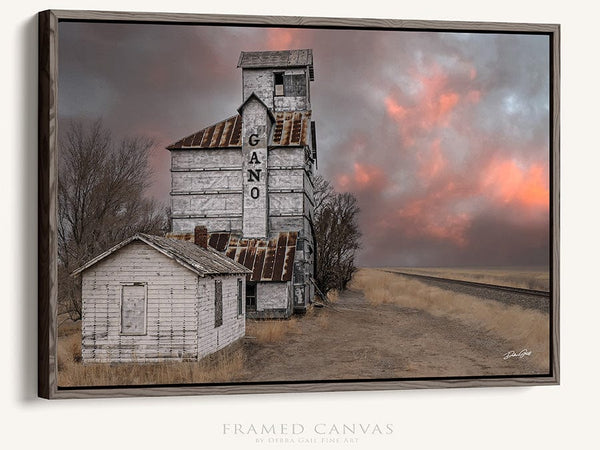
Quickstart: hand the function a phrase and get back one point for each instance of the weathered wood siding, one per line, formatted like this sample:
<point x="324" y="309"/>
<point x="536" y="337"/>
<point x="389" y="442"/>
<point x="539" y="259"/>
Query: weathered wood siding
<point x="206" y="159"/>
<point x="211" y="338"/>
<point x="183" y="182"/>
<point x="187" y="224"/>
<point x="208" y="204"/>
<point x="273" y="296"/>
<point x="286" y="157"/>
<point x="177" y="309"/>
<point x="206" y="189"/>
<point x="262" y="83"/>
<point x="286" y="179"/>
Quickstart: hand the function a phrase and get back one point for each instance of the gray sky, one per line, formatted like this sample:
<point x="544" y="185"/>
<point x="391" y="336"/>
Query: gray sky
<point x="443" y="137"/>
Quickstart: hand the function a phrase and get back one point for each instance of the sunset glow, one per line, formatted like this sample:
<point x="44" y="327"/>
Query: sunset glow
<point x="442" y="137"/>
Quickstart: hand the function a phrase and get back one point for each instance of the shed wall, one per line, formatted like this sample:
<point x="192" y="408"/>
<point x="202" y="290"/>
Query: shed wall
<point x="211" y="339"/>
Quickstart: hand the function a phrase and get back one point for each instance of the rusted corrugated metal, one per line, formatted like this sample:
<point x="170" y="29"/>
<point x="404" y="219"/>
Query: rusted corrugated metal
<point x="219" y="241"/>
<point x="224" y="134"/>
<point x="291" y="128"/>
<point x="269" y="260"/>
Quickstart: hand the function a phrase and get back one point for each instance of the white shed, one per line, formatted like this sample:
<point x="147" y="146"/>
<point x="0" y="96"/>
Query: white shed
<point x="151" y="299"/>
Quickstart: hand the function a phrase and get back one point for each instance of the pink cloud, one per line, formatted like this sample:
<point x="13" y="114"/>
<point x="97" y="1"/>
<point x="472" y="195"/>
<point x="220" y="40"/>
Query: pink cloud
<point x="431" y="217"/>
<point x="362" y="178"/>
<point x="474" y="96"/>
<point x="282" y="38"/>
<point x="430" y="108"/>
<point x="508" y="182"/>
<point x="431" y="162"/>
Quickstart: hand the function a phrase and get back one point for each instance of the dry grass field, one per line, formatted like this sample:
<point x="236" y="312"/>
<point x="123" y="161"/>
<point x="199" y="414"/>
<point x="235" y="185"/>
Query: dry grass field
<point x="223" y="366"/>
<point x="527" y="278"/>
<point x="517" y="325"/>
<point x="385" y="326"/>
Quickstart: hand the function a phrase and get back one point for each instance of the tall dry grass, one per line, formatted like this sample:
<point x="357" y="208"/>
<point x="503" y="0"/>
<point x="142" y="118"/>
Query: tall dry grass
<point x="522" y="328"/>
<point x="270" y="331"/>
<point x="333" y="296"/>
<point x="521" y="278"/>
<point x="222" y="366"/>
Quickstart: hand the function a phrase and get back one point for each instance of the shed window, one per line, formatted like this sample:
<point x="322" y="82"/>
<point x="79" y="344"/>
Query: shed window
<point x="240" y="297"/>
<point x="133" y="309"/>
<point x="218" y="303"/>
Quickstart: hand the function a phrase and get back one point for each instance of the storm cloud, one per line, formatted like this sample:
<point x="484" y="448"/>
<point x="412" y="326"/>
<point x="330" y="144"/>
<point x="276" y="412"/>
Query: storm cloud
<point x="442" y="137"/>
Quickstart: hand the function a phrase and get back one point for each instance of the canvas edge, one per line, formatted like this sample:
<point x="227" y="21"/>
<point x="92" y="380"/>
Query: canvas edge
<point x="555" y="186"/>
<point x="47" y="188"/>
<point x="47" y="200"/>
<point x="301" y="387"/>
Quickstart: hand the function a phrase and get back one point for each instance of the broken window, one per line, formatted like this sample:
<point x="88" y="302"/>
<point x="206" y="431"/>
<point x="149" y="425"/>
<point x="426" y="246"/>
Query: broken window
<point x="251" y="296"/>
<point x="218" y="303"/>
<point x="133" y="309"/>
<point x="294" y="85"/>
<point x="278" y="84"/>
<point x="240" y="297"/>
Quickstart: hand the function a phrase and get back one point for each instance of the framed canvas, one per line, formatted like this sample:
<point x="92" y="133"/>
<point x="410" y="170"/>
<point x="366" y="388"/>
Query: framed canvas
<point x="250" y="204"/>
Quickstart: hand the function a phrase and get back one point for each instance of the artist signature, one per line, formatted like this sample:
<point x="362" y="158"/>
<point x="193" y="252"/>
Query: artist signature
<point x="521" y="354"/>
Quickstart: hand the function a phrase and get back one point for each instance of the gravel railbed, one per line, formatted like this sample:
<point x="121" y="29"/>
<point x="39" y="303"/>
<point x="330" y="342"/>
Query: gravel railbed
<point x="510" y="298"/>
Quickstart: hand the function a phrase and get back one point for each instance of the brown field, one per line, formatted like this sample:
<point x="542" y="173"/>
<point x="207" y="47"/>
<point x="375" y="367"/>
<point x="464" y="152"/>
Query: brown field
<point x="221" y="366"/>
<point x="509" y="322"/>
<point x="527" y="278"/>
<point x="385" y="326"/>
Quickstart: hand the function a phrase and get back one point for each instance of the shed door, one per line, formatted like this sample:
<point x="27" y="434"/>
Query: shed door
<point x="133" y="309"/>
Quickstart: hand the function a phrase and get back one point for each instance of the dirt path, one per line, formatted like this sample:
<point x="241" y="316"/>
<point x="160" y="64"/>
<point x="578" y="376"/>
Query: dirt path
<point x="354" y="340"/>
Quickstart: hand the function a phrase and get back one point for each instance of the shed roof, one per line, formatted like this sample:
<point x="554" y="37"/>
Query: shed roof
<point x="202" y="261"/>
<point x="268" y="259"/>
<point x="291" y="129"/>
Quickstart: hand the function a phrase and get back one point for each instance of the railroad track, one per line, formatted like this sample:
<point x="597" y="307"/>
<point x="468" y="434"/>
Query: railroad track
<point x="526" y="298"/>
<point x="476" y="284"/>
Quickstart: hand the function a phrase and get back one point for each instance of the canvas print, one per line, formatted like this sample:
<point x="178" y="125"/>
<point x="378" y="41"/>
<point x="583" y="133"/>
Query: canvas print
<point x="270" y="204"/>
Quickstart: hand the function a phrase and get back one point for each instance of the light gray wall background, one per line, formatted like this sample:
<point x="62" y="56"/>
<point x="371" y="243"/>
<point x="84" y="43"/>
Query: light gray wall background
<point x="544" y="417"/>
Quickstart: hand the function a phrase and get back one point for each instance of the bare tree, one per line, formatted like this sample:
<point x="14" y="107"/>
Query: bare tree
<point x="337" y="235"/>
<point x="101" y="200"/>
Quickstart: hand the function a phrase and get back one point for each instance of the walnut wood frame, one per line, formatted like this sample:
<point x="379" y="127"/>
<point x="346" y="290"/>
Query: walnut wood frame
<point x="47" y="203"/>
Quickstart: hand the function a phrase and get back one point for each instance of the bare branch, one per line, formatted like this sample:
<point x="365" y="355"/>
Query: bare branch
<point x="101" y="199"/>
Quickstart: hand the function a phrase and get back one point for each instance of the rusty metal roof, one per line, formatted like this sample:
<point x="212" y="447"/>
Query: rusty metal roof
<point x="291" y="128"/>
<point x="224" y="134"/>
<point x="268" y="259"/>
<point x="203" y="261"/>
<point x="279" y="58"/>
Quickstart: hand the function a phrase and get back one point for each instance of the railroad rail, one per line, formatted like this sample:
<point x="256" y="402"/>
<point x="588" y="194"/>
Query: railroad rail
<point x="498" y="287"/>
